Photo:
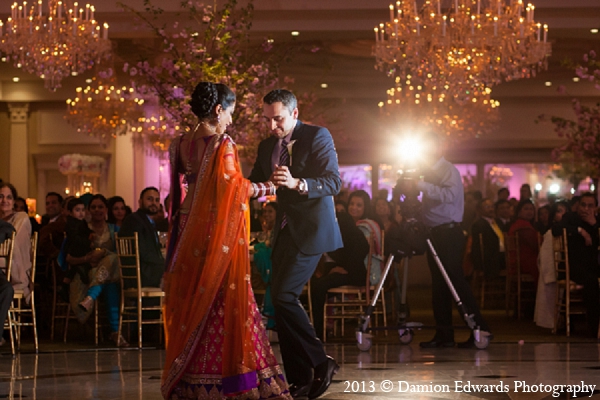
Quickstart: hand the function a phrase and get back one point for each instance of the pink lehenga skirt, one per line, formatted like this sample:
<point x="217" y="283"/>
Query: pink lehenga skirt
<point x="202" y="378"/>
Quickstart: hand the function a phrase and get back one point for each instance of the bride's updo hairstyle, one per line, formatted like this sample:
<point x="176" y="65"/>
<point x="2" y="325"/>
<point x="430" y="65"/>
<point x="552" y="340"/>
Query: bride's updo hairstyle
<point x="207" y="96"/>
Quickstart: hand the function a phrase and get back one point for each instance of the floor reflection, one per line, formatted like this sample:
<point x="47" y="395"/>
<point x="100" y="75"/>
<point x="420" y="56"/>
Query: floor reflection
<point x="386" y="371"/>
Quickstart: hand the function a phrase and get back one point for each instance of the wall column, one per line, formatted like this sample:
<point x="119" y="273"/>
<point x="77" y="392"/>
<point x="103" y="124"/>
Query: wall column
<point x="125" y="170"/>
<point x="480" y="179"/>
<point x="19" y="155"/>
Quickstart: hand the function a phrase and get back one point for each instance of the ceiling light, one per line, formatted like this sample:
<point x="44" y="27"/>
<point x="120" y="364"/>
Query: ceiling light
<point x="16" y="79"/>
<point x="575" y="79"/>
<point x="88" y="80"/>
<point x="295" y="33"/>
<point x="270" y="40"/>
<point x="595" y="30"/>
<point x="324" y="85"/>
<point x="548" y="83"/>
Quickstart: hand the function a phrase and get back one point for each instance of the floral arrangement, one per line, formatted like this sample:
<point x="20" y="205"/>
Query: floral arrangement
<point x="211" y="45"/>
<point x="208" y="47"/>
<point x="79" y="164"/>
<point x="579" y="155"/>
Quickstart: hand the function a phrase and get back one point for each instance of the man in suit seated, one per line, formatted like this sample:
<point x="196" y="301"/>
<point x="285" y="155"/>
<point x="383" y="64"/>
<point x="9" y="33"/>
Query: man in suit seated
<point x="344" y="266"/>
<point x="487" y="236"/>
<point x="152" y="261"/>
<point x="582" y="238"/>
<point x="502" y="208"/>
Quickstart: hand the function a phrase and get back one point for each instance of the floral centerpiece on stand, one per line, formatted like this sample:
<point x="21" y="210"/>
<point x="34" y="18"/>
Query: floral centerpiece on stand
<point x="82" y="172"/>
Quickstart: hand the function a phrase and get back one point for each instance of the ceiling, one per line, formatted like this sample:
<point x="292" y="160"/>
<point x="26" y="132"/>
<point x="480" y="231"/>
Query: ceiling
<point x="342" y="30"/>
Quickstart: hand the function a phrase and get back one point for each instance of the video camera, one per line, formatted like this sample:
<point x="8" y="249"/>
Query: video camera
<point x="409" y="238"/>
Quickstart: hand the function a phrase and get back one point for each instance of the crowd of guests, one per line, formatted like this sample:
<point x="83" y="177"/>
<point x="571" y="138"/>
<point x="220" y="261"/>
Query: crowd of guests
<point x="488" y="224"/>
<point x="532" y="227"/>
<point x="77" y="241"/>
<point x="78" y="234"/>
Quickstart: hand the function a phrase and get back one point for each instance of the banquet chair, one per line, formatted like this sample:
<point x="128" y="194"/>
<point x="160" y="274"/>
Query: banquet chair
<point x="485" y="287"/>
<point x="132" y="292"/>
<point x="569" y="298"/>
<point x="353" y="301"/>
<point x="61" y="310"/>
<point x="19" y="308"/>
<point x="519" y="283"/>
<point x="6" y="254"/>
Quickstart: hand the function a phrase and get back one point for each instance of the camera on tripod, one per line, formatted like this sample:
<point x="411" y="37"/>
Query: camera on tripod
<point x="409" y="237"/>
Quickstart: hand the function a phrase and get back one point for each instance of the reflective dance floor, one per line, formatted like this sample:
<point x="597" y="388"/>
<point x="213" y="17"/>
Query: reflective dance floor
<point x="522" y="362"/>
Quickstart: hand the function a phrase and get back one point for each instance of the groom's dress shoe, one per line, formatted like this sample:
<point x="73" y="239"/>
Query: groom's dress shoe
<point x="300" y="391"/>
<point x="323" y="375"/>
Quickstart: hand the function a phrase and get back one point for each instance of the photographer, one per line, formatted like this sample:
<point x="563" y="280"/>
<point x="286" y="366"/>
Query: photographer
<point x="442" y="213"/>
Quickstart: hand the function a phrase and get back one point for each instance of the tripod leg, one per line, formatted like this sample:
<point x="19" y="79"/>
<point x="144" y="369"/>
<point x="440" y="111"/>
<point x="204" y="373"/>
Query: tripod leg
<point x="469" y="318"/>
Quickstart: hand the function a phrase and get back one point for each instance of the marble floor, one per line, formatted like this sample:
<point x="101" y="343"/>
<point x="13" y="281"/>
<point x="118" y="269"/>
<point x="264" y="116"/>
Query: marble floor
<point x="522" y="362"/>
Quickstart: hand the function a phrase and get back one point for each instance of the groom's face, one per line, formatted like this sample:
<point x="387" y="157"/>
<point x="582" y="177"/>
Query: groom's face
<point x="279" y="119"/>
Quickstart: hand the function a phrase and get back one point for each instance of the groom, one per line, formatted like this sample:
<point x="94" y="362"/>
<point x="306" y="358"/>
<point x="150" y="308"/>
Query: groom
<point x="302" y="162"/>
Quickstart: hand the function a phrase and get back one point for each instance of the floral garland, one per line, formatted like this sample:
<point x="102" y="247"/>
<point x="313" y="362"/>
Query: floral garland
<point x="79" y="164"/>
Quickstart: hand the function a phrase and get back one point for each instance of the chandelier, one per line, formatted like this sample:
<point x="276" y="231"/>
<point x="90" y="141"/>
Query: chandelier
<point x="415" y="107"/>
<point x="54" y="42"/>
<point x="104" y="110"/>
<point x="155" y="131"/>
<point x="469" y="46"/>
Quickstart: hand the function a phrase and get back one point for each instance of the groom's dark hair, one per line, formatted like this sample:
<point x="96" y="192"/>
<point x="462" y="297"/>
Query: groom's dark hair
<point x="286" y="97"/>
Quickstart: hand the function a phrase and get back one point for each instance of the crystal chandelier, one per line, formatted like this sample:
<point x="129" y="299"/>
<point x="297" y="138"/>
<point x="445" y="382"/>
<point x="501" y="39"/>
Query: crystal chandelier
<point x="470" y="45"/>
<point x="53" y="42"/>
<point x="418" y="107"/>
<point x="104" y="110"/>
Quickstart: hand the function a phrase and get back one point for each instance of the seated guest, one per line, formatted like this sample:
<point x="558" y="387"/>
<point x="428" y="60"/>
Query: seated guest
<point x="89" y="250"/>
<point x="21" y="205"/>
<point x="262" y="258"/>
<point x="525" y="192"/>
<point x="502" y="211"/>
<point x="53" y="208"/>
<point x="528" y="239"/>
<point x="21" y="259"/>
<point x="6" y="289"/>
<point x="359" y="208"/>
<point x="582" y="237"/>
<point x="574" y="203"/>
<point x="161" y="219"/>
<point x="340" y="206"/>
<point x="543" y="222"/>
<point x="503" y="194"/>
<point x="545" y="298"/>
<point x="487" y="236"/>
<point x="384" y="210"/>
<point x="52" y="235"/>
<point x="342" y="267"/>
<point x="152" y="261"/>
<point x="117" y="211"/>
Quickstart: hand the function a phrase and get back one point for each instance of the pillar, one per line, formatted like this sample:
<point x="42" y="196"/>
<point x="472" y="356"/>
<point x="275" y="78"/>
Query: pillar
<point x="18" y="173"/>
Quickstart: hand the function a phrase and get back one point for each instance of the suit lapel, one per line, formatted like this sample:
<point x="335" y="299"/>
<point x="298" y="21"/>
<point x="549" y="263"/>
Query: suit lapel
<point x="270" y="146"/>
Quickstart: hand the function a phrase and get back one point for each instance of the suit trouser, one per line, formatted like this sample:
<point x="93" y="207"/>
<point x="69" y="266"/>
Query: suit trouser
<point x="6" y="298"/>
<point x="449" y="245"/>
<point x="301" y="350"/>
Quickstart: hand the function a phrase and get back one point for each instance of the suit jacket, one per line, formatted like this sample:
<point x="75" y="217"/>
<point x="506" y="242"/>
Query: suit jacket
<point x="51" y="238"/>
<point x="152" y="262"/>
<point x="6" y="230"/>
<point x="491" y="263"/>
<point x="504" y="227"/>
<point x="311" y="217"/>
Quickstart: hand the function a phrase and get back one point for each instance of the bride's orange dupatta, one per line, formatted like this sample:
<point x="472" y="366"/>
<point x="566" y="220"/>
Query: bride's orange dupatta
<point x="212" y="254"/>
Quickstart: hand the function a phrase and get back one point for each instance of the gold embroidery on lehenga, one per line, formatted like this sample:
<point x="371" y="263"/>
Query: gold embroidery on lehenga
<point x="225" y="249"/>
<point x="265" y="390"/>
<point x="232" y="286"/>
<point x="242" y="241"/>
<point x="215" y="394"/>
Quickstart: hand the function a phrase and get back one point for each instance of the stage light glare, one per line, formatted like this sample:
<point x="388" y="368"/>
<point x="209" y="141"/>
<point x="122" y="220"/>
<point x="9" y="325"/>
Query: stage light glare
<point x="554" y="188"/>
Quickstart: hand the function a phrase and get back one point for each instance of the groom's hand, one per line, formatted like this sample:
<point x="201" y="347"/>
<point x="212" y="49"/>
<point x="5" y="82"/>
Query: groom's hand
<point x="283" y="178"/>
